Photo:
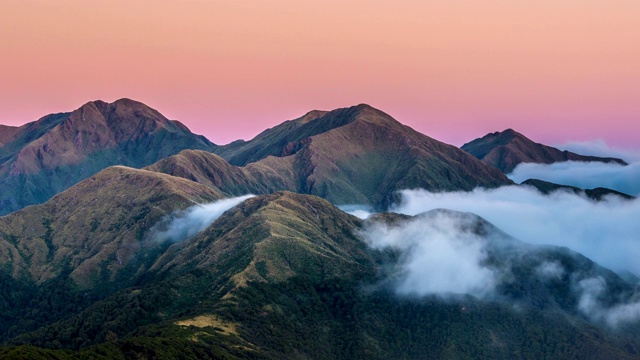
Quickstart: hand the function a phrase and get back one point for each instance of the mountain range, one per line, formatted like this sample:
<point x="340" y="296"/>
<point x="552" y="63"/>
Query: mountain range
<point x="284" y="274"/>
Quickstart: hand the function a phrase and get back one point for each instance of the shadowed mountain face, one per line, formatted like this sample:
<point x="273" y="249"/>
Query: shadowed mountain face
<point x="356" y="155"/>
<point x="42" y="158"/>
<point x="505" y="150"/>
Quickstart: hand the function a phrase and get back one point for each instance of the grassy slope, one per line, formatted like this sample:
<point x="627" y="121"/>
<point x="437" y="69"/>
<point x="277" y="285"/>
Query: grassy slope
<point x="87" y="242"/>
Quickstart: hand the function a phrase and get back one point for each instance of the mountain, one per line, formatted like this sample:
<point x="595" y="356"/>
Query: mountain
<point x="94" y="229"/>
<point x="209" y="169"/>
<point x="356" y="155"/>
<point x="506" y="149"/>
<point x="597" y="194"/>
<point x="287" y="275"/>
<point x="85" y="243"/>
<point x="42" y="158"/>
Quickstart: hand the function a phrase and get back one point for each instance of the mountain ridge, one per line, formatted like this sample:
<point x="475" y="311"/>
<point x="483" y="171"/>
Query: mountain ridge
<point x="356" y="155"/>
<point x="506" y="149"/>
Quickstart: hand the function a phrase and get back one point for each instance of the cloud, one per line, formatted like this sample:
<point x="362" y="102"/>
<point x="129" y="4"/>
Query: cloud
<point x="600" y="148"/>
<point x="591" y="291"/>
<point x="586" y="175"/>
<point x="439" y="255"/>
<point x="360" y="211"/>
<point x="184" y="224"/>
<point x="549" y="270"/>
<point x="606" y="231"/>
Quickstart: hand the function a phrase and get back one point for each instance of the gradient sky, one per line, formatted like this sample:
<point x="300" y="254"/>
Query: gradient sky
<point x="554" y="70"/>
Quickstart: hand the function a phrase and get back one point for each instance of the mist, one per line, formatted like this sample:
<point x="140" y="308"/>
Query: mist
<point x="359" y="211"/>
<point x="440" y="255"/>
<point x="599" y="147"/>
<point x="608" y="231"/>
<point x="591" y="290"/>
<point x="586" y="175"/>
<point x="185" y="224"/>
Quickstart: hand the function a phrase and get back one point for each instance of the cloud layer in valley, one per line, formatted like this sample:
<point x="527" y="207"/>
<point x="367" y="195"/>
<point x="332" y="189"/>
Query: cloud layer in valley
<point x="586" y="175"/>
<point x="608" y="231"/>
<point x="445" y="253"/>
<point x="599" y="147"/>
<point x="184" y="224"/>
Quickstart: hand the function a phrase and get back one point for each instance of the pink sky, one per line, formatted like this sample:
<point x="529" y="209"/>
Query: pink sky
<point x="454" y="69"/>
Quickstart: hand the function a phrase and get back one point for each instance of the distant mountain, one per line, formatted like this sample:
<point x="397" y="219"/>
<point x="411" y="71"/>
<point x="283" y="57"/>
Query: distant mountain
<point x="289" y="276"/>
<point x="506" y="149"/>
<point x="356" y="155"/>
<point x="598" y="194"/>
<point x="42" y="158"/>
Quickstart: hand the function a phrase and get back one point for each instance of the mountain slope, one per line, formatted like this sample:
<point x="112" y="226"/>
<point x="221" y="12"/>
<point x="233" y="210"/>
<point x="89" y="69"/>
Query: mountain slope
<point x="84" y="244"/>
<point x="506" y="149"/>
<point x="209" y="169"/>
<point x="356" y="155"/>
<point x="95" y="228"/>
<point x="42" y="158"/>
<point x="290" y="276"/>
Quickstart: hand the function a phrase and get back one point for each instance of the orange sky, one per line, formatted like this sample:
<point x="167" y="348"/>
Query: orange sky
<point x="554" y="70"/>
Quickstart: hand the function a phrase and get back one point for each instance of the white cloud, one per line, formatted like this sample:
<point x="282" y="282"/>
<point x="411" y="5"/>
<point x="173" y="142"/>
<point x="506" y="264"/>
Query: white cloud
<point x="608" y="232"/>
<point x="184" y="224"/>
<point x="360" y="211"/>
<point x="586" y="175"/>
<point x="550" y="270"/>
<point x="439" y="255"/>
<point x="600" y="148"/>
<point x="591" y="290"/>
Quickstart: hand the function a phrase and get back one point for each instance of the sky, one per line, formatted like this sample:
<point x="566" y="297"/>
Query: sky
<point x="455" y="70"/>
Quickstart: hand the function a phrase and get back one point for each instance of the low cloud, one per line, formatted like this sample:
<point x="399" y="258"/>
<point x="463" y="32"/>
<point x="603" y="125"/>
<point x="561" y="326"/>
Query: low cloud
<point x="600" y="148"/>
<point x="360" y="211"/>
<point x="439" y="255"/>
<point x="605" y="231"/>
<point x="550" y="270"/>
<point x="590" y="304"/>
<point x="184" y="224"/>
<point x="586" y="175"/>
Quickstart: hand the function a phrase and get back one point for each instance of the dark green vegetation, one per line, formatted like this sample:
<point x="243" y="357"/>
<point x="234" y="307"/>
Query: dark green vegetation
<point x="505" y="150"/>
<point x="597" y="194"/>
<point x="288" y="276"/>
<point x="45" y="157"/>
<point x="356" y="155"/>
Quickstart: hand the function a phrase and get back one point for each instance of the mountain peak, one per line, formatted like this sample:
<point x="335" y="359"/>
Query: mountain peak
<point x="506" y="149"/>
<point x="121" y="108"/>
<point x="73" y="146"/>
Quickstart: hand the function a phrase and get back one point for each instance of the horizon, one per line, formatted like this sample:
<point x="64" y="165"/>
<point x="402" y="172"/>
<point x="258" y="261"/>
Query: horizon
<point x="556" y="73"/>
